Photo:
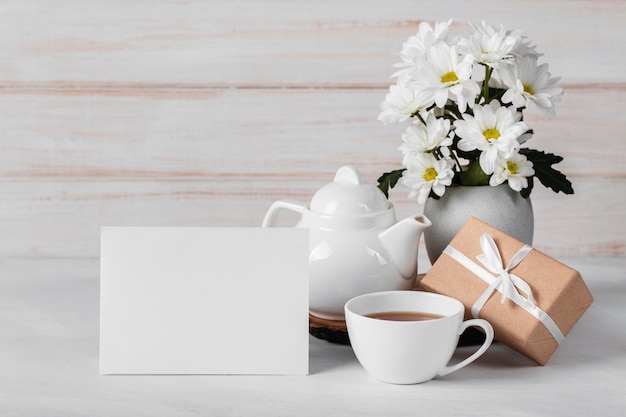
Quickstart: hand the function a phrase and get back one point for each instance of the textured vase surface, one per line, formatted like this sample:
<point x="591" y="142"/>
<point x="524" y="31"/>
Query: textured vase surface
<point x="499" y="206"/>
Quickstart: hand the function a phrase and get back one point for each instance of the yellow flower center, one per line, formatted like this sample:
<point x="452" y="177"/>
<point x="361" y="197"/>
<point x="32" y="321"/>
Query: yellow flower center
<point x="491" y="134"/>
<point x="430" y="174"/>
<point x="529" y="90"/>
<point x="449" y="77"/>
<point x="512" y="167"/>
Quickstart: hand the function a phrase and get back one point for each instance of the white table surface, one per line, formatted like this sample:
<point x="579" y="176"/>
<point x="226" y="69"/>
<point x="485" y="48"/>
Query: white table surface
<point x="49" y="364"/>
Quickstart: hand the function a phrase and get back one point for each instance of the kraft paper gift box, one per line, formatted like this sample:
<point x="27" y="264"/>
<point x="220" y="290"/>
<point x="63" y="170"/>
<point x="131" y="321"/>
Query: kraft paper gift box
<point x="543" y="298"/>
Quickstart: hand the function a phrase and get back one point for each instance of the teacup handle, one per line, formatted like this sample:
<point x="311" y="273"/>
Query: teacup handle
<point x="484" y="324"/>
<point x="272" y="213"/>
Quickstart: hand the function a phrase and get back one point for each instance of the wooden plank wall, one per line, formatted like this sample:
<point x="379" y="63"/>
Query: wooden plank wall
<point x="191" y="113"/>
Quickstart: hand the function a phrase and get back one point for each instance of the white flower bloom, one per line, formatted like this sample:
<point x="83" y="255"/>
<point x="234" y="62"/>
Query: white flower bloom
<point x="414" y="48"/>
<point x="425" y="173"/>
<point x="402" y="102"/>
<point x="446" y="76"/>
<point x="489" y="45"/>
<point x="494" y="130"/>
<point x="515" y="170"/>
<point x="524" y="47"/>
<point x="420" y="138"/>
<point x="530" y="86"/>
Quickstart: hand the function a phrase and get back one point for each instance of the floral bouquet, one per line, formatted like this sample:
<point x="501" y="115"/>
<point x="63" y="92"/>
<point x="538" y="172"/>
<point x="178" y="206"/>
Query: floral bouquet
<point x="465" y="98"/>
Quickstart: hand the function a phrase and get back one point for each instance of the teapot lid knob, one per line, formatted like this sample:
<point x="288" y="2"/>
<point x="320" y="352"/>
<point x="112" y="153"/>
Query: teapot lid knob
<point x="348" y="175"/>
<point x="348" y="195"/>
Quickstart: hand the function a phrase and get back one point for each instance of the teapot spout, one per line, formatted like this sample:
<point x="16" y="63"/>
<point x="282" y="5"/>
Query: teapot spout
<point x="402" y="243"/>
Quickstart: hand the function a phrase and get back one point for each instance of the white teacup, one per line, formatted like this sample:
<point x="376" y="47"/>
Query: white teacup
<point x="409" y="352"/>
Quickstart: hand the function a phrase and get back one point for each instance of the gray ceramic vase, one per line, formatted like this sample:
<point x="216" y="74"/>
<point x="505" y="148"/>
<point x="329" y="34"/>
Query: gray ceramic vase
<point x="498" y="206"/>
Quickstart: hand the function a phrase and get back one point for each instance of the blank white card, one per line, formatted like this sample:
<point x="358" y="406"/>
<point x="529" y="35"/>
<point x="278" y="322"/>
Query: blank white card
<point x="177" y="300"/>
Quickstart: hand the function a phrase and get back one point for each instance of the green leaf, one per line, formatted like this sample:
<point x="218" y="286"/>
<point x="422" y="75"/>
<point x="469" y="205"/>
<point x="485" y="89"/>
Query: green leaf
<point x="548" y="176"/>
<point x="389" y="180"/>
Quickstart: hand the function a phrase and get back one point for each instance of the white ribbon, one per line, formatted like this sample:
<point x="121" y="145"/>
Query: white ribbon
<point x="505" y="282"/>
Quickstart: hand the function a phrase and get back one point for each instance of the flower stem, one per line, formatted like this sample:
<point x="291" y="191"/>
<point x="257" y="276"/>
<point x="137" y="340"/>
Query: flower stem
<point x="488" y="71"/>
<point x="419" y="116"/>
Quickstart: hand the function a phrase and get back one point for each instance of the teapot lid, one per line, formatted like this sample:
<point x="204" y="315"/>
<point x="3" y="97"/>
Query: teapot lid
<point x="348" y="195"/>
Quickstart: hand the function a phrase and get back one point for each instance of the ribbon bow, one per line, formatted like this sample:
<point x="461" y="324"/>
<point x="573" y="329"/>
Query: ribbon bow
<point x="504" y="282"/>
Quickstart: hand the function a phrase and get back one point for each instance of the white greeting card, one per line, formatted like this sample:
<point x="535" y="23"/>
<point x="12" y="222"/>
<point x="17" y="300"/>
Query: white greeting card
<point x="178" y="300"/>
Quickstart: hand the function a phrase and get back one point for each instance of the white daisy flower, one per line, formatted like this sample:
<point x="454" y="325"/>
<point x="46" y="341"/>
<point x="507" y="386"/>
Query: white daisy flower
<point x="494" y="130"/>
<point x="425" y="173"/>
<point x="420" y="138"/>
<point x="402" y="102"/>
<point x="489" y="45"/>
<point x="524" y="46"/>
<point x="530" y="86"/>
<point x="446" y="76"/>
<point x="515" y="170"/>
<point x="414" y="48"/>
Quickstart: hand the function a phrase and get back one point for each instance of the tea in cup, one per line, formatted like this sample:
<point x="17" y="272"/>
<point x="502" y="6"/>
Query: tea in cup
<point x="408" y="337"/>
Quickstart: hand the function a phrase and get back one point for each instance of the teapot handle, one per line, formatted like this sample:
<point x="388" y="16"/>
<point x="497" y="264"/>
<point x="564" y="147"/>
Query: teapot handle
<point x="272" y="213"/>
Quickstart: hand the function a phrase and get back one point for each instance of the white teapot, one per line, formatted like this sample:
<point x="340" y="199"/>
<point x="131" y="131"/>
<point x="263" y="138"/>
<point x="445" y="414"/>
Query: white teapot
<point x="357" y="246"/>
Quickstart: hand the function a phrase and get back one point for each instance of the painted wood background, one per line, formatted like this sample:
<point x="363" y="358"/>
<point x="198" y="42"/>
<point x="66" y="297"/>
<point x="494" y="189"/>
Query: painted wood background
<point x="193" y="113"/>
